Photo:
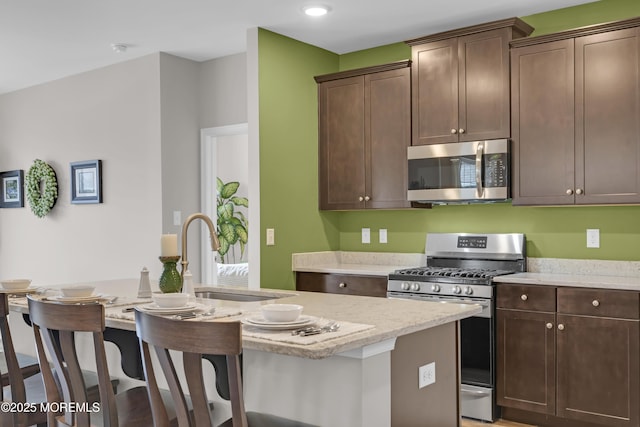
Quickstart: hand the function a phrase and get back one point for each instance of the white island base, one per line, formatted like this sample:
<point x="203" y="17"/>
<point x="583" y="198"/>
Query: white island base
<point x="372" y="386"/>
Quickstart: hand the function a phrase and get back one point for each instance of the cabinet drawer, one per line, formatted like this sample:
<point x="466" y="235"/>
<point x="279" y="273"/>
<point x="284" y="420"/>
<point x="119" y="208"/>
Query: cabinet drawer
<point x="599" y="302"/>
<point x="526" y="297"/>
<point x="373" y="286"/>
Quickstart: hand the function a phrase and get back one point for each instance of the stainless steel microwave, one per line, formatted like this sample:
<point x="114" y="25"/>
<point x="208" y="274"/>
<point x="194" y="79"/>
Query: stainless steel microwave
<point x="463" y="172"/>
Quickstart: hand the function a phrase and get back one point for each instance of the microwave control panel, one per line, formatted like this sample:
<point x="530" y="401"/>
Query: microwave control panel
<point x="495" y="170"/>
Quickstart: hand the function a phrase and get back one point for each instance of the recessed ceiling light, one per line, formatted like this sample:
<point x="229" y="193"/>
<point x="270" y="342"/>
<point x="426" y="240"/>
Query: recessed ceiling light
<point x="316" y="10"/>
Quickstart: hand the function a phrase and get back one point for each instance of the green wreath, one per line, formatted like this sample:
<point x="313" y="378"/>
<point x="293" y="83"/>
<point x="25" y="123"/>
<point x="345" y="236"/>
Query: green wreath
<point x="41" y="201"/>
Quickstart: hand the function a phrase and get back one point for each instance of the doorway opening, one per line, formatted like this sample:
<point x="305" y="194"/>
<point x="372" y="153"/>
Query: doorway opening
<point x="225" y="160"/>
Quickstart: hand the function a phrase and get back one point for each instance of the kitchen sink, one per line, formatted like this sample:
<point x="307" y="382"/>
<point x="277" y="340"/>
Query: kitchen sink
<point x="237" y="296"/>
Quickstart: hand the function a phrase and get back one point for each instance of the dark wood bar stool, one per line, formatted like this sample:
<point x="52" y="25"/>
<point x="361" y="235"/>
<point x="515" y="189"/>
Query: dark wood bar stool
<point x="21" y="381"/>
<point x="54" y="326"/>
<point x="193" y="339"/>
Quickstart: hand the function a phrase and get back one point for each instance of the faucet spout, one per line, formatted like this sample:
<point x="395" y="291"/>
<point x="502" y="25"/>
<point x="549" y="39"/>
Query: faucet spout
<point x="215" y="243"/>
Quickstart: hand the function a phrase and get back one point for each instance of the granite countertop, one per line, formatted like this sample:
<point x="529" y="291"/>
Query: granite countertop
<point x="390" y="318"/>
<point x="572" y="280"/>
<point x="359" y="263"/>
<point x="592" y="273"/>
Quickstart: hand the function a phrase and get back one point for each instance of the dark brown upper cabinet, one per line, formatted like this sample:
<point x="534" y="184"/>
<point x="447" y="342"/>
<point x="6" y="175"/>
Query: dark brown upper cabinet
<point x="575" y="108"/>
<point x="364" y="131"/>
<point x="460" y="83"/>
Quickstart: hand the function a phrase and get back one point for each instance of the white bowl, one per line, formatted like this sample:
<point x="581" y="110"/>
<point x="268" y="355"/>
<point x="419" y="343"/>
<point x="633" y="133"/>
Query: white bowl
<point x="281" y="312"/>
<point x="16" y="284"/>
<point x="170" y="300"/>
<point x="78" y="291"/>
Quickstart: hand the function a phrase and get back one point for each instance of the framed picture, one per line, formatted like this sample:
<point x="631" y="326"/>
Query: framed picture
<point x="86" y="181"/>
<point x="12" y="189"/>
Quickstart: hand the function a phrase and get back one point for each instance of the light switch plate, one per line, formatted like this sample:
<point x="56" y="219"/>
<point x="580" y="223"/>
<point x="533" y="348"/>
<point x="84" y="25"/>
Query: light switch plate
<point x="177" y="217"/>
<point x="366" y="235"/>
<point x="271" y="237"/>
<point x="382" y="234"/>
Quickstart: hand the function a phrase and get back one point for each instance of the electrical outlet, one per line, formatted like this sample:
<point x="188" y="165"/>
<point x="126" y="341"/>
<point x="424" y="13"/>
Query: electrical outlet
<point x="382" y="234"/>
<point x="426" y="374"/>
<point x="593" y="238"/>
<point x="366" y="235"/>
<point x="271" y="237"/>
<point x="177" y="217"/>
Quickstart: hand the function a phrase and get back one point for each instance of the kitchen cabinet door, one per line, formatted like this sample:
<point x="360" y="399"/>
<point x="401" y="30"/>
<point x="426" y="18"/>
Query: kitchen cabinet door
<point x="342" y="143"/>
<point x="598" y="370"/>
<point x="607" y="112"/>
<point x="435" y="92"/>
<point x="364" y="132"/>
<point x="388" y="133"/>
<point x="525" y="376"/>
<point x="483" y="82"/>
<point x="542" y="79"/>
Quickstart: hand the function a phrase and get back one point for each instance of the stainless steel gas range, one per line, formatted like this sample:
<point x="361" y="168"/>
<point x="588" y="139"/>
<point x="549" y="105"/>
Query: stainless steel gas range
<point x="460" y="268"/>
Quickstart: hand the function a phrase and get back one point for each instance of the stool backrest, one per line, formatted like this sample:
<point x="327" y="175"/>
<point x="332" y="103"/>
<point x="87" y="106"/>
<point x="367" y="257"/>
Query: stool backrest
<point x="192" y="339"/>
<point x="54" y="327"/>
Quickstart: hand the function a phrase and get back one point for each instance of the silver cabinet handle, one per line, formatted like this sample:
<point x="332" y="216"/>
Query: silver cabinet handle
<point x="479" y="152"/>
<point x="569" y="191"/>
<point x="367" y="198"/>
<point x="453" y="131"/>
<point x="524" y="297"/>
<point x="342" y="285"/>
<point x="361" y="199"/>
<point x="561" y="327"/>
<point x="579" y="191"/>
<point x="595" y="303"/>
<point x="460" y="131"/>
<point x="549" y="325"/>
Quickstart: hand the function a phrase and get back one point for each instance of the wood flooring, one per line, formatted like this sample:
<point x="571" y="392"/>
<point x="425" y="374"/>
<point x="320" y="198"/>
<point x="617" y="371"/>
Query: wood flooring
<point x="499" y="423"/>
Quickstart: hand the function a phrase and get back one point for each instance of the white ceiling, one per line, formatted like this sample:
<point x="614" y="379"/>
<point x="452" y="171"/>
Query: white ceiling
<point x="44" y="40"/>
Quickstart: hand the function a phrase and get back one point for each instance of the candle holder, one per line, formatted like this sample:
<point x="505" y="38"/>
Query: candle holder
<point x="170" y="279"/>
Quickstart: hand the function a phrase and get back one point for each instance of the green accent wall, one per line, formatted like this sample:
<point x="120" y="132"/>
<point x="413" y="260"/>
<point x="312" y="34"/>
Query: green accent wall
<point x="289" y="182"/>
<point x="289" y="155"/>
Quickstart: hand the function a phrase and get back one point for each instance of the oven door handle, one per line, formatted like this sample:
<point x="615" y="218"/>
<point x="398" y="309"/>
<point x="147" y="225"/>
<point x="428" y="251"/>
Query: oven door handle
<point x="474" y="393"/>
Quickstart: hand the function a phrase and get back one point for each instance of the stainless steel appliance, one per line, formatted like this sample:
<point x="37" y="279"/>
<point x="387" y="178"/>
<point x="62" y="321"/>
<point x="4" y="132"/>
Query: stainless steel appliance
<point x="462" y="172"/>
<point x="460" y="268"/>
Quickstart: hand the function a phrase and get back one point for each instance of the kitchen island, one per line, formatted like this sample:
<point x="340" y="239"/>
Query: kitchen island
<point x="346" y="379"/>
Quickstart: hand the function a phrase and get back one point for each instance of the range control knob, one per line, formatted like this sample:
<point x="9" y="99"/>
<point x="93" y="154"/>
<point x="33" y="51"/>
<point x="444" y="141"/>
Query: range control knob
<point x="468" y="290"/>
<point x="435" y="288"/>
<point x="456" y="289"/>
<point x="415" y="286"/>
<point x="404" y="286"/>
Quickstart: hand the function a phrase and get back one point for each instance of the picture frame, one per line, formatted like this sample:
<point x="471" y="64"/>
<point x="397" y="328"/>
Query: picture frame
<point x="86" y="182"/>
<point x="12" y="185"/>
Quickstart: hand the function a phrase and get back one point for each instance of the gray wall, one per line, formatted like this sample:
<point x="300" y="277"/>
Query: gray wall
<point x="142" y="119"/>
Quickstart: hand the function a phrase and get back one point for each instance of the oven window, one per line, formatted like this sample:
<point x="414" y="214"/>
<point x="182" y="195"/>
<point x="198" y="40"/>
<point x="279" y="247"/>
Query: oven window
<point x="476" y="340"/>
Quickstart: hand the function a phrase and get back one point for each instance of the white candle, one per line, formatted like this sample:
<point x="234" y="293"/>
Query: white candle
<point x="169" y="245"/>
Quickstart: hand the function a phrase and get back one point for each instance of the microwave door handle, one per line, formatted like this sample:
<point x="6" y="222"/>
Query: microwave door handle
<point x="479" y="152"/>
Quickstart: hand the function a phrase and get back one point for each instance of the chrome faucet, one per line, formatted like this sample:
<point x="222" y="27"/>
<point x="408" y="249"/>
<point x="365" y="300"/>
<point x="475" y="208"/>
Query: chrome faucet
<point x="215" y="243"/>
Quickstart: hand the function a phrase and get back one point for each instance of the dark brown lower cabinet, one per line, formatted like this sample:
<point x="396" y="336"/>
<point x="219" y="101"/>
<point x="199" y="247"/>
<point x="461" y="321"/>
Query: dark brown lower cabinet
<point x="346" y="284"/>
<point x="575" y="366"/>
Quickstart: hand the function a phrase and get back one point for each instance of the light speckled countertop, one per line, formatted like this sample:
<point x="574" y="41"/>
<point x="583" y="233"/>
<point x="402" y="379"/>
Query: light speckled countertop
<point x="572" y="280"/>
<point x="391" y="318"/>
<point x="591" y="273"/>
<point x="360" y="263"/>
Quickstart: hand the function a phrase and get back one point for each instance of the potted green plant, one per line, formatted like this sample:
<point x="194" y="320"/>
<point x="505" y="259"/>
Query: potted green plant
<point x="232" y="224"/>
